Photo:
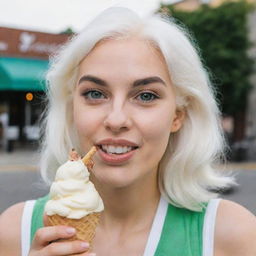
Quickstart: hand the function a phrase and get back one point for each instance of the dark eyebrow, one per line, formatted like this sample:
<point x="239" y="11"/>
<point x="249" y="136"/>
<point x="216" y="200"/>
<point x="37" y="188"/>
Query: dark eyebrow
<point x="139" y="82"/>
<point x="93" y="79"/>
<point x="148" y="80"/>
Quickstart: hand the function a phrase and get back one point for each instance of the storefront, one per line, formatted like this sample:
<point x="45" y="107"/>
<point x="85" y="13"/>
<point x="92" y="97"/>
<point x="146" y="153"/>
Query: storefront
<point x="23" y="63"/>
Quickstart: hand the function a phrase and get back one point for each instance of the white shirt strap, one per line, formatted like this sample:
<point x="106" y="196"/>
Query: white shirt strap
<point x="26" y="226"/>
<point x="209" y="227"/>
<point x="156" y="229"/>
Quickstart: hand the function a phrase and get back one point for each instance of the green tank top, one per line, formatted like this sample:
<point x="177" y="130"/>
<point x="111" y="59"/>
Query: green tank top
<point x="181" y="233"/>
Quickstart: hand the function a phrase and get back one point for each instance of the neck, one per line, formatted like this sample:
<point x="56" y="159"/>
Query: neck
<point x="129" y="205"/>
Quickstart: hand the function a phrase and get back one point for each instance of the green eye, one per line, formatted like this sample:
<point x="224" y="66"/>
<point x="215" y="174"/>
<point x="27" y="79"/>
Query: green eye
<point x="146" y="97"/>
<point x="94" y="95"/>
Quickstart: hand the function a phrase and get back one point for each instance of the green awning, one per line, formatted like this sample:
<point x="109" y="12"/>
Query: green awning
<point x="21" y="74"/>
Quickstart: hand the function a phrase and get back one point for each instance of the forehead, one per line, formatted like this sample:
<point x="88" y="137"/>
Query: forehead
<point x="132" y="42"/>
<point x="126" y="56"/>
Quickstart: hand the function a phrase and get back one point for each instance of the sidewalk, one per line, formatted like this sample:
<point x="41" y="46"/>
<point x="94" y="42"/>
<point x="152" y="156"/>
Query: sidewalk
<point x="20" y="180"/>
<point x="26" y="159"/>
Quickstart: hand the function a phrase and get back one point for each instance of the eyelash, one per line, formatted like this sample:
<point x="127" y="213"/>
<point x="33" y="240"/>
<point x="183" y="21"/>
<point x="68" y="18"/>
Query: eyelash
<point x="87" y="92"/>
<point x="155" y="96"/>
<point x="90" y="91"/>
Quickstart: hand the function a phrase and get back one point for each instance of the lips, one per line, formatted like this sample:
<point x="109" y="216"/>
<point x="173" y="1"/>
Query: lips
<point x="116" y="151"/>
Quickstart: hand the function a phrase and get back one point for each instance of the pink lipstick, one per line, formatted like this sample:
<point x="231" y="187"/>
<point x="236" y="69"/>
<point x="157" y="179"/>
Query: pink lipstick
<point x="107" y="150"/>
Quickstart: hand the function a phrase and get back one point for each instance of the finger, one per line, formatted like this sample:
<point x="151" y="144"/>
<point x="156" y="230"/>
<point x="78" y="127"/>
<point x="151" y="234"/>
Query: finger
<point x="66" y="248"/>
<point x="46" y="235"/>
<point x="46" y="220"/>
<point x="90" y="165"/>
<point x="85" y="254"/>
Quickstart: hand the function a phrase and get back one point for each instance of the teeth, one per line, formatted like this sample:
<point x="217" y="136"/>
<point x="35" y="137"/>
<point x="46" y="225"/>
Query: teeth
<point x="116" y="149"/>
<point x="120" y="150"/>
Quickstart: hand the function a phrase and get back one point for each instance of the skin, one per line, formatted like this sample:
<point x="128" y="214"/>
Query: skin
<point x="120" y="112"/>
<point x="129" y="190"/>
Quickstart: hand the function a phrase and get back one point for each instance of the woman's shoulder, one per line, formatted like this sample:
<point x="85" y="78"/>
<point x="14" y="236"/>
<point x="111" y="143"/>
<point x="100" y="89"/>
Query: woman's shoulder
<point x="235" y="232"/>
<point x="10" y="230"/>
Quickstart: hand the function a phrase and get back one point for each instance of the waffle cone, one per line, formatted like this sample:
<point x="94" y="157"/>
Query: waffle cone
<point x="85" y="227"/>
<point x="87" y="158"/>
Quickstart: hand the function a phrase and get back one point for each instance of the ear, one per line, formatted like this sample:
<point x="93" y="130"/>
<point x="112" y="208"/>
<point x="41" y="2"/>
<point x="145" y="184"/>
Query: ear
<point x="178" y="120"/>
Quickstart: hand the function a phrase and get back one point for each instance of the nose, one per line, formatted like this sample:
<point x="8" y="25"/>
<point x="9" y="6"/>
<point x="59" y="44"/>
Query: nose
<point x="117" y="119"/>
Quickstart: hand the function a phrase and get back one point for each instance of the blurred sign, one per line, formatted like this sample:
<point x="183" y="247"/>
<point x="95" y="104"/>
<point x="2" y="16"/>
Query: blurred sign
<point x="22" y="43"/>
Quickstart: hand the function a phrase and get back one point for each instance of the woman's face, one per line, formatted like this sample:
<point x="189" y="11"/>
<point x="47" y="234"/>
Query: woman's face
<point x="124" y="103"/>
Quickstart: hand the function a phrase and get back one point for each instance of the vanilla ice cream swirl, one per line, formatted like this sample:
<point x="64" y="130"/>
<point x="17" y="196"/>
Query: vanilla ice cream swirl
<point x="72" y="194"/>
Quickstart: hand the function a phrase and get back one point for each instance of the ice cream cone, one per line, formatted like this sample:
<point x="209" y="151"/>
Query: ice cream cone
<point x="87" y="159"/>
<point x="85" y="227"/>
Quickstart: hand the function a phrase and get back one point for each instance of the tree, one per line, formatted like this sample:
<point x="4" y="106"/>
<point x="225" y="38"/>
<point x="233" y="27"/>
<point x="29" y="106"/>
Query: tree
<point x="222" y="36"/>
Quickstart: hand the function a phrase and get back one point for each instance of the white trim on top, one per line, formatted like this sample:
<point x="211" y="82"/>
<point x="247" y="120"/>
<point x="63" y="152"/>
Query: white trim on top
<point x="209" y="227"/>
<point x="26" y="226"/>
<point x="156" y="229"/>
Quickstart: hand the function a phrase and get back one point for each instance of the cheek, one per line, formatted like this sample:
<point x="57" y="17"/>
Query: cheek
<point x="77" y="115"/>
<point x="86" y="120"/>
<point x="155" y="133"/>
<point x="156" y="124"/>
<point x="82" y="120"/>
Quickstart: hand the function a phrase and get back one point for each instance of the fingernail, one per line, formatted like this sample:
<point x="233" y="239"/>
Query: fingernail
<point x="70" y="231"/>
<point x="84" y="245"/>
<point x="91" y="254"/>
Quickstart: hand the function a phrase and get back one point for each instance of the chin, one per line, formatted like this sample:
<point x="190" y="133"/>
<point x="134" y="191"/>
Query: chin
<point x="113" y="179"/>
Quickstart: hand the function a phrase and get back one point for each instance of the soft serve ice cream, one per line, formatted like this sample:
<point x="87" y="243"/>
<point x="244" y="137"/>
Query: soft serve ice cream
<point x="72" y="194"/>
<point x="74" y="201"/>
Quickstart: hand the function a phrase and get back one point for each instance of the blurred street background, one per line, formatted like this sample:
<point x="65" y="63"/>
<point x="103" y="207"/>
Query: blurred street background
<point x="224" y="31"/>
<point x="20" y="179"/>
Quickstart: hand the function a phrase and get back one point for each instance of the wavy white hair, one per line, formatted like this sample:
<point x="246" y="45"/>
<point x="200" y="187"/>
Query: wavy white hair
<point x="186" y="172"/>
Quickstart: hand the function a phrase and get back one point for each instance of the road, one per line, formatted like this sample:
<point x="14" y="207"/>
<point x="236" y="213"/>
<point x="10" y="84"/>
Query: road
<point x="16" y="186"/>
<point x="245" y="192"/>
<point x="20" y="180"/>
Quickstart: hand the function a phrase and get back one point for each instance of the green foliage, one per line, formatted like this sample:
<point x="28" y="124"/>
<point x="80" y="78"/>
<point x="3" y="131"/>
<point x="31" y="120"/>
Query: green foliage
<point x="222" y="36"/>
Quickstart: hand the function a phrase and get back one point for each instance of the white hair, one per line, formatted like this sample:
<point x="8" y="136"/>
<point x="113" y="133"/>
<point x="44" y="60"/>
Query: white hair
<point x="186" y="171"/>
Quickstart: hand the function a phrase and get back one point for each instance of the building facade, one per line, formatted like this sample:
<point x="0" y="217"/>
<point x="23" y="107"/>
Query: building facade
<point x="24" y="58"/>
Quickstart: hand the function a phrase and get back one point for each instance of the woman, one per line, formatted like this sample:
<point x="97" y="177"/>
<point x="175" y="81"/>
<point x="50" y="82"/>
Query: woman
<point x="137" y="90"/>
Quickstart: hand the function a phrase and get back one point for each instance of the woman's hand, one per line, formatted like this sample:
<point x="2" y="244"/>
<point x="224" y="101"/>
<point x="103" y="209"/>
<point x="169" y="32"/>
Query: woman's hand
<point x="45" y="242"/>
